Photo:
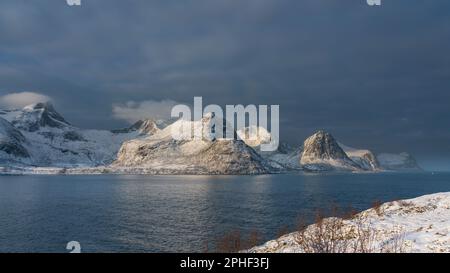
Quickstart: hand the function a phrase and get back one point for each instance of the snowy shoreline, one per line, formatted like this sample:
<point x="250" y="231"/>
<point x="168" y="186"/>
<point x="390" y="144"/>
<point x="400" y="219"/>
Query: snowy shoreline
<point x="418" y="225"/>
<point x="105" y="170"/>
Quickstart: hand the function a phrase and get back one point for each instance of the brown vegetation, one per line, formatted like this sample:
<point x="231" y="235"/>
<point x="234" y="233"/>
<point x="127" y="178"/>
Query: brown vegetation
<point x="353" y="234"/>
<point x="344" y="232"/>
<point x="232" y="242"/>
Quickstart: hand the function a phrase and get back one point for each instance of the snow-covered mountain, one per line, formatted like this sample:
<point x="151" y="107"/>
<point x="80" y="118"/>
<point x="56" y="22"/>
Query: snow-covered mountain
<point x="47" y="139"/>
<point x="322" y="152"/>
<point x="144" y="127"/>
<point x="208" y="155"/>
<point x="398" y="162"/>
<point x="285" y="157"/>
<point x="364" y="158"/>
<point x="37" y="116"/>
<point x="37" y="136"/>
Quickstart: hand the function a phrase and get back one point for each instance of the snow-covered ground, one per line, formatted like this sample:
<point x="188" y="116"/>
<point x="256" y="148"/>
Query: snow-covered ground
<point x="416" y="225"/>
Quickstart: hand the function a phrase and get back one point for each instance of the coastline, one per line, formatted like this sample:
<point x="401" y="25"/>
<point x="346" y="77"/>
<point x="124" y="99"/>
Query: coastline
<point x="418" y="225"/>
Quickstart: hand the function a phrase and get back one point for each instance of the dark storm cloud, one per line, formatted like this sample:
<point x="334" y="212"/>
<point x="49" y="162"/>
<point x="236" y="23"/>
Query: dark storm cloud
<point x="375" y="77"/>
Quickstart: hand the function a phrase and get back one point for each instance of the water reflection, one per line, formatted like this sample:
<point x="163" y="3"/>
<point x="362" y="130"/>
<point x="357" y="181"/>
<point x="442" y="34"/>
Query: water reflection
<point x="179" y="213"/>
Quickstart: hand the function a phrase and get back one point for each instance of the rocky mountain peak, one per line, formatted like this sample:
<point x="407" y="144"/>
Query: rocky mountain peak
<point x="321" y="151"/>
<point x="148" y="127"/>
<point x="38" y="115"/>
<point x="144" y="127"/>
<point x="322" y="145"/>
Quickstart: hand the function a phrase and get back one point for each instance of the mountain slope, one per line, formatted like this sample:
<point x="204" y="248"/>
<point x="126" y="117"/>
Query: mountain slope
<point x="364" y="158"/>
<point x="285" y="157"/>
<point x="36" y="116"/>
<point x="321" y="152"/>
<point x="49" y="140"/>
<point x="207" y="155"/>
<point x="144" y="127"/>
<point x="11" y="142"/>
<point x="254" y="136"/>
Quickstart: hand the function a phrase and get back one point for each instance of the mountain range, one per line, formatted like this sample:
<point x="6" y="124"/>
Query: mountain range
<point x="37" y="139"/>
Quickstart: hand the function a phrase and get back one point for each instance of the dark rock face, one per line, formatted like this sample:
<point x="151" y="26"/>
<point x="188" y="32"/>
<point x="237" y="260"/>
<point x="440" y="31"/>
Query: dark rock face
<point x="11" y="140"/>
<point x="39" y="115"/>
<point x="14" y="149"/>
<point x="73" y="136"/>
<point x="49" y="116"/>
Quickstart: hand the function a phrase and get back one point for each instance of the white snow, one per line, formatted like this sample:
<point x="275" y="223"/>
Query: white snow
<point x="420" y="225"/>
<point x="63" y="145"/>
<point x="49" y="147"/>
<point x="363" y="157"/>
<point x="353" y="152"/>
<point x="207" y="155"/>
<point x="254" y="136"/>
<point x="10" y="115"/>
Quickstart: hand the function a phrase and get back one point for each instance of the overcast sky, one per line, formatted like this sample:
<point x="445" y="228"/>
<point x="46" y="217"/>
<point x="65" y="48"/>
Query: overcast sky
<point x="375" y="77"/>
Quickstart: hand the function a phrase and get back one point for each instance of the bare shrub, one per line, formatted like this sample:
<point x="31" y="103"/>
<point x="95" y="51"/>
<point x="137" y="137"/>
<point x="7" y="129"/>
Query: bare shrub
<point x="377" y="206"/>
<point x="404" y="203"/>
<point x="233" y="242"/>
<point x="325" y="236"/>
<point x="229" y="242"/>
<point x="351" y="234"/>
<point x="282" y="231"/>
<point x="253" y="239"/>
<point x="346" y="232"/>
<point x="206" y="247"/>
<point x="394" y="245"/>
<point x="362" y="235"/>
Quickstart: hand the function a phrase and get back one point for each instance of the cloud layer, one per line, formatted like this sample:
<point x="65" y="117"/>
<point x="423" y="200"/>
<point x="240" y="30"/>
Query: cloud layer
<point x="21" y="99"/>
<point x="371" y="76"/>
<point x="133" y="111"/>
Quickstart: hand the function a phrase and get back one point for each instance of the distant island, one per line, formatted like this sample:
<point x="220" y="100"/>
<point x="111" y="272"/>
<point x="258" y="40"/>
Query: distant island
<point x="38" y="140"/>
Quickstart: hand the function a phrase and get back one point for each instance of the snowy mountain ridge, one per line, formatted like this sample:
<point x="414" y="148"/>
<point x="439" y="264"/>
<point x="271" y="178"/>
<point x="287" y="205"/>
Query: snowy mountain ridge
<point x="39" y="138"/>
<point x="49" y="140"/>
<point x="208" y="155"/>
